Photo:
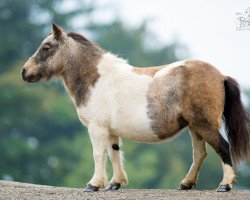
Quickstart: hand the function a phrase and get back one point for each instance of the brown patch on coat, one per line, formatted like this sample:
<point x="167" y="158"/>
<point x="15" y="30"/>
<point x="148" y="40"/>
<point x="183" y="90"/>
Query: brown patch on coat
<point x="164" y="104"/>
<point x="203" y="94"/>
<point x="203" y="98"/>
<point x="191" y="95"/>
<point x="81" y="73"/>
<point x="149" y="71"/>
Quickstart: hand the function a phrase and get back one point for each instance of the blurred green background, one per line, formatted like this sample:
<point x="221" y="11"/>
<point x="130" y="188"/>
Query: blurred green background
<point x="41" y="138"/>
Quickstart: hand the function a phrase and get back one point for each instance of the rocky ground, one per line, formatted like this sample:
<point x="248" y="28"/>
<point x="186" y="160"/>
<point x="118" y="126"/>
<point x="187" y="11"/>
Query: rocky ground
<point x="15" y="190"/>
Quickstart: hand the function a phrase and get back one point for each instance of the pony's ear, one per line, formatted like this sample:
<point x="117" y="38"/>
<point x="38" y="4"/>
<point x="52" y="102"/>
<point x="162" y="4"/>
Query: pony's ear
<point x="57" y="31"/>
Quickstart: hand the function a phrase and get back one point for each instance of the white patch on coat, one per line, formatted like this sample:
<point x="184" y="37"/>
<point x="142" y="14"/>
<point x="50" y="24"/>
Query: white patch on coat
<point x="83" y="115"/>
<point x="166" y="69"/>
<point x="119" y="101"/>
<point x="228" y="175"/>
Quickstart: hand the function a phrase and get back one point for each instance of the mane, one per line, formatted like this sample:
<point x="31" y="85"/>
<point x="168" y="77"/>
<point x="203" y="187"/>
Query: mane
<point x="83" y="40"/>
<point x="82" y="73"/>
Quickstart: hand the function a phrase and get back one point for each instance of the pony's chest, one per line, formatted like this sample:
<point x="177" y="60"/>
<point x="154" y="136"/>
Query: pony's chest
<point x="83" y="115"/>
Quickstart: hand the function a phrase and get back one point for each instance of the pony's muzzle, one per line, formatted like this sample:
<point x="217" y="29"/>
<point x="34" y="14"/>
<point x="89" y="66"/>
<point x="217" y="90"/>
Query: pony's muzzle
<point x="26" y="77"/>
<point x="30" y="78"/>
<point x="30" y="72"/>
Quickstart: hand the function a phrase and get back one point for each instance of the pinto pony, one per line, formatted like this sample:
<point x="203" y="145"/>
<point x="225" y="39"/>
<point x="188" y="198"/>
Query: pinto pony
<point x="115" y="100"/>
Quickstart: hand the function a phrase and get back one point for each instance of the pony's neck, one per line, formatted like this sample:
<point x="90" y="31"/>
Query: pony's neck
<point x="81" y="74"/>
<point x="85" y="69"/>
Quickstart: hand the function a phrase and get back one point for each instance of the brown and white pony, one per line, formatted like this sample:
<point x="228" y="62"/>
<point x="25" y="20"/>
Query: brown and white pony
<point x="115" y="100"/>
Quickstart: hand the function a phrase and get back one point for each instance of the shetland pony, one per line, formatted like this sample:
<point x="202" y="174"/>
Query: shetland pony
<point x="115" y="100"/>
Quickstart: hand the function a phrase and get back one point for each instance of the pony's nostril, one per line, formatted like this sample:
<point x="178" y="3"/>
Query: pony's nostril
<point x="23" y="73"/>
<point x="31" y="77"/>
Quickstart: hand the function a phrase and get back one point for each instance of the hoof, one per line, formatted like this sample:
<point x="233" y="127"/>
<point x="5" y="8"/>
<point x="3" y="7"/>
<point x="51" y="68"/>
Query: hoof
<point x="184" y="187"/>
<point x="113" y="186"/>
<point x="224" y="188"/>
<point x="91" y="188"/>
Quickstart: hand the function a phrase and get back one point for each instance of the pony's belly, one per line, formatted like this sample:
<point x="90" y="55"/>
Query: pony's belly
<point x="135" y="128"/>
<point x="138" y="136"/>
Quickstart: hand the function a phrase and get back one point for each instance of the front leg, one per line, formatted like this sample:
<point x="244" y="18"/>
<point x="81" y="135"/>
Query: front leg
<point x="119" y="175"/>
<point x="98" y="136"/>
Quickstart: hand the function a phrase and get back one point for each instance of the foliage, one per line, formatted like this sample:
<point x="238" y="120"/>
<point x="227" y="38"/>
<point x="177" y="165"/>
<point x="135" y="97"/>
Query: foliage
<point x="35" y="130"/>
<point x="137" y="45"/>
<point x="23" y="25"/>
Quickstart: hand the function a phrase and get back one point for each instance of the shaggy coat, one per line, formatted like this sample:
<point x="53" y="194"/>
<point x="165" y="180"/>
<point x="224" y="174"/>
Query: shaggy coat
<point x="115" y="100"/>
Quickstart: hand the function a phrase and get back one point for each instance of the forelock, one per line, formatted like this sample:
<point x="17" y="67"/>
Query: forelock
<point x="50" y="38"/>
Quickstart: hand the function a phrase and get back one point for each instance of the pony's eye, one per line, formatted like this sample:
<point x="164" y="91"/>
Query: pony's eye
<point x="45" y="48"/>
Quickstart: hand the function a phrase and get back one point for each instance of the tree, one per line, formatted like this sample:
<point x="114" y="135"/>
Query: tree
<point x="31" y="139"/>
<point x="140" y="46"/>
<point x="23" y="25"/>
<point x="36" y="126"/>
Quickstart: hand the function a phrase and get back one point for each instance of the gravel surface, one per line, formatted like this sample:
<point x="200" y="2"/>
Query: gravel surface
<point x="15" y="190"/>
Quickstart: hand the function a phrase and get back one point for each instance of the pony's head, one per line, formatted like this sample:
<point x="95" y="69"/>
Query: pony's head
<point x="58" y="52"/>
<point x="46" y="60"/>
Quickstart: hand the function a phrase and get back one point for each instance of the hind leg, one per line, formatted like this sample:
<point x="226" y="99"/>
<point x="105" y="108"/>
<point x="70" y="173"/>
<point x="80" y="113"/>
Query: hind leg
<point x="228" y="172"/>
<point x="221" y="146"/>
<point x="199" y="154"/>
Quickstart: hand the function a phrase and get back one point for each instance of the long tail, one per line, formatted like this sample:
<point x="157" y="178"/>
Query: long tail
<point x="236" y="121"/>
